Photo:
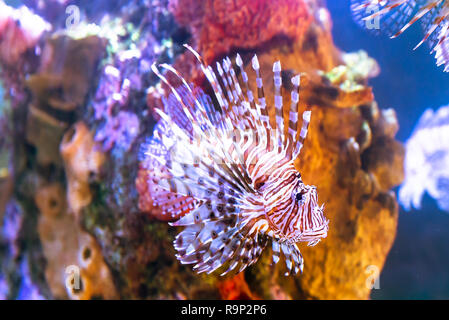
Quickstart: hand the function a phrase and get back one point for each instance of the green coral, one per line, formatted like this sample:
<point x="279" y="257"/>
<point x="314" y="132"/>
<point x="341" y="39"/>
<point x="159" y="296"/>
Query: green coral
<point x="352" y="75"/>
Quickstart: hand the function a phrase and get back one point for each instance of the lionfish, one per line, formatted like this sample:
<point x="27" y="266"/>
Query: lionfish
<point x="393" y="17"/>
<point x="427" y="161"/>
<point x="232" y="172"/>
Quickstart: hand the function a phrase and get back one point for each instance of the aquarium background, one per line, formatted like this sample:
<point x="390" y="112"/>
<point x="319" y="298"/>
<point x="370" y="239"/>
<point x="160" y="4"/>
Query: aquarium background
<point x="409" y="82"/>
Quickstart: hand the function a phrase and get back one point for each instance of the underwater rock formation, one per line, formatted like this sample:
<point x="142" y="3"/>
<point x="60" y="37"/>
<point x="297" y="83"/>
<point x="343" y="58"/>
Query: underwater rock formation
<point x="219" y="27"/>
<point x="59" y="88"/>
<point x="78" y="181"/>
<point x="83" y="160"/>
<point x="76" y="268"/>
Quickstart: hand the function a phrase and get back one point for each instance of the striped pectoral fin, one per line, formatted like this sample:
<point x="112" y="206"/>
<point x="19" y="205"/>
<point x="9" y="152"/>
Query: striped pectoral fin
<point x="180" y="187"/>
<point x="213" y="244"/>
<point x="423" y="11"/>
<point x="204" y="182"/>
<point x="191" y="102"/>
<point x="435" y="24"/>
<point x="174" y="109"/>
<point x="387" y="17"/>
<point x="152" y="153"/>
<point x="243" y="252"/>
<point x="203" y="244"/>
<point x="186" y="187"/>
<point x="293" y="258"/>
<point x="207" y="211"/>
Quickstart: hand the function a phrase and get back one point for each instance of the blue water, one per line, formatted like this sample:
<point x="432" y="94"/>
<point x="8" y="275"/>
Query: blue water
<point x="410" y="82"/>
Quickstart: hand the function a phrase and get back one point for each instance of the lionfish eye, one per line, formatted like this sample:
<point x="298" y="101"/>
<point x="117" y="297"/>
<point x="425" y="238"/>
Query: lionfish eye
<point x="299" y="196"/>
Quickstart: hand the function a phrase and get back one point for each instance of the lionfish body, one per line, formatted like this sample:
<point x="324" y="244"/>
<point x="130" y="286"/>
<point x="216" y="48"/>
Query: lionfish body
<point x="396" y="16"/>
<point x="236" y="170"/>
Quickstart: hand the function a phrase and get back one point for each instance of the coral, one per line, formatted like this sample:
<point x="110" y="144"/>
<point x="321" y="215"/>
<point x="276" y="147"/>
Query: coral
<point x="44" y="132"/>
<point x="70" y="254"/>
<point x="115" y="106"/>
<point x="235" y="288"/>
<point x="20" y="29"/>
<point x="21" y="32"/>
<point x="58" y="89"/>
<point x="219" y="26"/>
<point x="67" y="67"/>
<point x="17" y="281"/>
<point x="52" y="89"/>
<point x="28" y="290"/>
<point x="83" y="159"/>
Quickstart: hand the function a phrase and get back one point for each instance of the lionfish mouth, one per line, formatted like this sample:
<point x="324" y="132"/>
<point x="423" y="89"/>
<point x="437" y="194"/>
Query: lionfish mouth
<point x="317" y="226"/>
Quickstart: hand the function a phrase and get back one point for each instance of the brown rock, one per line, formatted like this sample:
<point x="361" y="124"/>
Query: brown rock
<point x="75" y="266"/>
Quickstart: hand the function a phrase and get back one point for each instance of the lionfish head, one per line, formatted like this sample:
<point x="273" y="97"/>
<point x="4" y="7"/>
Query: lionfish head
<point x="310" y="223"/>
<point x="293" y="211"/>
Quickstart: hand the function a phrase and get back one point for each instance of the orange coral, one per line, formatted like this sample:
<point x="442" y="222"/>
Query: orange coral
<point x="219" y="26"/>
<point x="72" y="254"/>
<point x="82" y="158"/>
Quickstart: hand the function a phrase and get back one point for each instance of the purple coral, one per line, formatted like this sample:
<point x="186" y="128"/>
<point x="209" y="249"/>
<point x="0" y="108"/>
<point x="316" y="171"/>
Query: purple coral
<point x="28" y="290"/>
<point x="108" y="92"/>
<point x="12" y="223"/>
<point x="119" y="130"/>
<point x="112" y="102"/>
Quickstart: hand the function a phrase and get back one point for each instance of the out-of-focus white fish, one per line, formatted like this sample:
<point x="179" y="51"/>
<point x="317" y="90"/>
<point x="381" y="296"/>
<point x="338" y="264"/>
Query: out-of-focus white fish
<point x="427" y="161"/>
<point x="393" y="17"/>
